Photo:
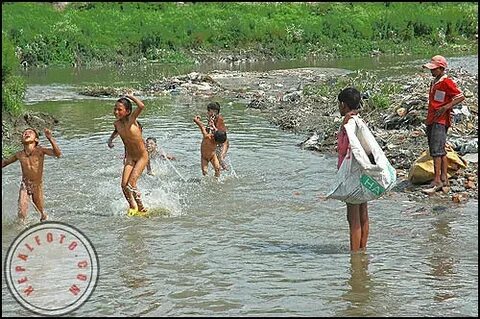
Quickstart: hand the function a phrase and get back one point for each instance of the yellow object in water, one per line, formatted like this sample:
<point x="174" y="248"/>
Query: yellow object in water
<point x="422" y="169"/>
<point x="132" y="212"/>
<point x="151" y="212"/>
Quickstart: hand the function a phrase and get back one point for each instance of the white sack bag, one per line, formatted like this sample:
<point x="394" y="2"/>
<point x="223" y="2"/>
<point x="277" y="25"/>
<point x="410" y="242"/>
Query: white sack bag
<point x="358" y="180"/>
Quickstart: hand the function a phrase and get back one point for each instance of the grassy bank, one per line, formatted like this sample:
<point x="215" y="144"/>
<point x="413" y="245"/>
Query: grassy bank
<point x="84" y="33"/>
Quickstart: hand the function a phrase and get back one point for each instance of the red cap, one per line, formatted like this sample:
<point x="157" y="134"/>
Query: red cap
<point x="436" y="62"/>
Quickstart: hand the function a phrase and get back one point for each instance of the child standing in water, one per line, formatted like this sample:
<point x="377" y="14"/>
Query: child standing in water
<point x="210" y="142"/>
<point x="357" y="214"/>
<point x="216" y="122"/>
<point x="31" y="161"/>
<point x="136" y="156"/>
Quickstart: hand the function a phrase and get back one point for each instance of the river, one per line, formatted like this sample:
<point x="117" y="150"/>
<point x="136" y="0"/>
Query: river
<point x="257" y="242"/>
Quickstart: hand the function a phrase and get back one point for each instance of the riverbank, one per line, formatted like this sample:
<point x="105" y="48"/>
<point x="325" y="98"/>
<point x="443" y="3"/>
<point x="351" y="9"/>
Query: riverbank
<point x="13" y="127"/>
<point x="304" y="101"/>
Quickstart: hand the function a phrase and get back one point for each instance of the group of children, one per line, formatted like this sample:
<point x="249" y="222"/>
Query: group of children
<point x="138" y="154"/>
<point x="443" y="95"/>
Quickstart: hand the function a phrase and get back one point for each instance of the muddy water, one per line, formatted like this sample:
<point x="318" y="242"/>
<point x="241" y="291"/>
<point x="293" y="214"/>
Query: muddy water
<point x="257" y="242"/>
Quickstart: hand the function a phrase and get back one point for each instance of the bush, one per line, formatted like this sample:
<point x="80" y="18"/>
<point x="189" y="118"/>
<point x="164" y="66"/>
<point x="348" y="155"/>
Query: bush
<point x="13" y="92"/>
<point x="9" y="60"/>
<point x="13" y="86"/>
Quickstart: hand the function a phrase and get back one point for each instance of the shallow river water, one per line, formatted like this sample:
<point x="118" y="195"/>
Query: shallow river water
<point x="257" y="242"/>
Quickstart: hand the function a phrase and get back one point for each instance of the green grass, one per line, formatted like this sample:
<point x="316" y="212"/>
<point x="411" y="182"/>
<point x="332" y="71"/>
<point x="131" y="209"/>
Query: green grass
<point x="167" y="32"/>
<point x="364" y="81"/>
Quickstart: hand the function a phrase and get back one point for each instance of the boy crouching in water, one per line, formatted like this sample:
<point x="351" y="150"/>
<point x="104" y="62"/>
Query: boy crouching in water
<point x="209" y="146"/>
<point x="154" y="153"/>
<point x="31" y="161"/>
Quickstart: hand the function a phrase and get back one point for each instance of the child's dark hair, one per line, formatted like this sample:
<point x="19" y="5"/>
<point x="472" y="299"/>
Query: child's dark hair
<point x="127" y="103"/>
<point x="34" y="131"/>
<point x="351" y="97"/>
<point x="151" y="139"/>
<point x="213" y="106"/>
<point x="220" y="136"/>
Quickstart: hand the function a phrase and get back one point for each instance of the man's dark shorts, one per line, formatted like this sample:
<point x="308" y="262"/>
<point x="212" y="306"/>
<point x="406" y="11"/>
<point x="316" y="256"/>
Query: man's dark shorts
<point x="437" y="137"/>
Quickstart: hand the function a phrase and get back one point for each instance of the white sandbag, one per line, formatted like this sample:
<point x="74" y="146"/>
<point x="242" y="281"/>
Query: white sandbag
<point x="358" y="180"/>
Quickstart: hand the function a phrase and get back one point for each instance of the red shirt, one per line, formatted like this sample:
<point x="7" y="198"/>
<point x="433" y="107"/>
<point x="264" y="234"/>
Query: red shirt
<point x="441" y="92"/>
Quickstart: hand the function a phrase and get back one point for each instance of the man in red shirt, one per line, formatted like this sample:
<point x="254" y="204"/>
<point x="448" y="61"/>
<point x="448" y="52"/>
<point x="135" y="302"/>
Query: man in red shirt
<point x="442" y="97"/>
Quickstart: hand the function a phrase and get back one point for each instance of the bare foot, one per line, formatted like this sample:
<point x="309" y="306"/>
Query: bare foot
<point x="435" y="185"/>
<point x="445" y="182"/>
<point x="22" y="221"/>
<point x="432" y="188"/>
<point x="43" y="218"/>
<point x="142" y="210"/>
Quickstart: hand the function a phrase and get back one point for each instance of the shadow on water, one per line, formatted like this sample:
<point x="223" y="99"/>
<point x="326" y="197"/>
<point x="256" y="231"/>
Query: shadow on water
<point x="440" y="258"/>
<point x="273" y="247"/>
<point x="360" y="291"/>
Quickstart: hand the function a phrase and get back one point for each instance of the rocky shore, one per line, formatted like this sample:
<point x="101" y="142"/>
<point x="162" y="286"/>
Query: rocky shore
<point x="304" y="101"/>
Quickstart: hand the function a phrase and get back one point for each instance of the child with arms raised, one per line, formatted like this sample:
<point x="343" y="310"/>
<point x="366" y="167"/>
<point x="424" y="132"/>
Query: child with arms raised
<point x="136" y="156"/>
<point x="210" y="142"/>
<point x="31" y="161"/>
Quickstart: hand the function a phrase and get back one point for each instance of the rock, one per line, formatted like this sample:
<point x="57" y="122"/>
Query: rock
<point x="459" y="197"/>
<point x="314" y="142"/>
<point x="401" y="111"/>
<point x="471" y="158"/>
<point x="469" y="184"/>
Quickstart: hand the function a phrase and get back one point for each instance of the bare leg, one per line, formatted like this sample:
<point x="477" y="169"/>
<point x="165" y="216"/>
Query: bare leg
<point x="364" y="225"/>
<point x="39" y="202"/>
<point x="223" y="154"/>
<point x="444" y="175"/>
<point x="353" y="217"/>
<point x="149" y="168"/>
<point x="132" y="181"/>
<point x="127" y="170"/>
<point x="22" y="203"/>
<point x="216" y="165"/>
<point x="437" y="167"/>
<point x="204" y="164"/>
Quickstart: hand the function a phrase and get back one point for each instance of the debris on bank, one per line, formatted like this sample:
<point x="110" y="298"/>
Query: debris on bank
<point x="304" y="101"/>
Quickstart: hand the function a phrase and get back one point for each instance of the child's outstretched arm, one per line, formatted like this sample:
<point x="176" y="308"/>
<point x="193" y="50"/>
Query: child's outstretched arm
<point x="138" y="110"/>
<point x="9" y="160"/>
<point x="110" y="139"/>
<point x="197" y="121"/>
<point x="164" y="155"/>
<point x="56" y="150"/>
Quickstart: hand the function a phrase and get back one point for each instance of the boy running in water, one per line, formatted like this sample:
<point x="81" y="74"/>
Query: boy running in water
<point x="136" y="156"/>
